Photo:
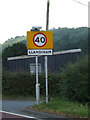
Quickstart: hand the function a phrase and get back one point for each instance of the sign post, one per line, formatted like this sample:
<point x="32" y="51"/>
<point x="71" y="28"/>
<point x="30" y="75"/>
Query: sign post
<point x="40" y="43"/>
<point x="37" y="84"/>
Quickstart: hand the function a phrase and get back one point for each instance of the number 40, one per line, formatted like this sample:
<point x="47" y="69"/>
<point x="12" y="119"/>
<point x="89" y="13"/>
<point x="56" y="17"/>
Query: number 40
<point x="38" y="39"/>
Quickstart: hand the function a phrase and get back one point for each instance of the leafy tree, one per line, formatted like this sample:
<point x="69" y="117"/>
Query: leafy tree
<point x="15" y="50"/>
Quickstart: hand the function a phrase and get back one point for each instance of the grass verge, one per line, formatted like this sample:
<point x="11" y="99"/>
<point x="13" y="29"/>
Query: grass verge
<point x="63" y="107"/>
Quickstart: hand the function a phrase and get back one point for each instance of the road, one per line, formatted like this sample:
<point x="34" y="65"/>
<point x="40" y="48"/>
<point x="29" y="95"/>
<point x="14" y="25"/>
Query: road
<point x="13" y="115"/>
<point x="21" y="107"/>
<point x="17" y="106"/>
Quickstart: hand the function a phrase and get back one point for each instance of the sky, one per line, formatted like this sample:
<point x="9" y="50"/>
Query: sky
<point x="18" y="16"/>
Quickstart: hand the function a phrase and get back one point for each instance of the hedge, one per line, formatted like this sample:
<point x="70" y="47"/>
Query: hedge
<point x="24" y="84"/>
<point x="75" y="81"/>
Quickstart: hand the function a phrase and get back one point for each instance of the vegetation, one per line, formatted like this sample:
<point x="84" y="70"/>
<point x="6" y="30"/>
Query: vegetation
<point x="16" y="49"/>
<point x="18" y="84"/>
<point x="61" y="106"/>
<point x="23" y="84"/>
<point x="75" y="81"/>
<point x="70" y="38"/>
<point x="12" y="41"/>
<point x="72" y="83"/>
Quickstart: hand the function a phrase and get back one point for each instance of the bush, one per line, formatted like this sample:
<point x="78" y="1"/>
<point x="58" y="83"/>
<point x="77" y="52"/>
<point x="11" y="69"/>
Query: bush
<point x="18" y="84"/>
<point x="24" y="84"/>
<point x="54" y="85"/>
<point x="75" y="80"/>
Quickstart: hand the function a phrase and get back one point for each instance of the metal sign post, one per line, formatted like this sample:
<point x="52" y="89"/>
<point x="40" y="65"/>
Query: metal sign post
<point x="46" y="77"/>
<point x="37" y="84"/>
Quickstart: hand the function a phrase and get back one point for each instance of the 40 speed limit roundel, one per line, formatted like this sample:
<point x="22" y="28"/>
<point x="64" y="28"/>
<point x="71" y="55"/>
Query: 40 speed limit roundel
<point x="39" y="39"/>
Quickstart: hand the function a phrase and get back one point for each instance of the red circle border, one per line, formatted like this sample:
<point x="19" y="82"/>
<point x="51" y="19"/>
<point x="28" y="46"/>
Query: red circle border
<point x="44" y="36"/>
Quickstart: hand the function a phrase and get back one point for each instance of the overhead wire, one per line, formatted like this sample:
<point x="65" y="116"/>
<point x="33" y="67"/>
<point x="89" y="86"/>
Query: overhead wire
<point x="80" y="3"/>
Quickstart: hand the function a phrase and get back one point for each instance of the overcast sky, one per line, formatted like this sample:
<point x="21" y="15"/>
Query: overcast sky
<point x="18" y="16"/>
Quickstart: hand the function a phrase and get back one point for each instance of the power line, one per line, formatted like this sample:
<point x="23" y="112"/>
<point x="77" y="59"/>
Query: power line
<point x="80" y="3"/>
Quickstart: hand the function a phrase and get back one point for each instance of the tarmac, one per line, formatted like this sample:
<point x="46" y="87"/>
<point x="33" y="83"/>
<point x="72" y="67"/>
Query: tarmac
<point x="21" y="107"/>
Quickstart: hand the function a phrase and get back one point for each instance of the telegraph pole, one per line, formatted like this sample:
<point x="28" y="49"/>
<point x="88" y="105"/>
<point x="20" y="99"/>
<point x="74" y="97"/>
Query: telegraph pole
<point x="46" y="68"/>
<point x="47" y="17"/>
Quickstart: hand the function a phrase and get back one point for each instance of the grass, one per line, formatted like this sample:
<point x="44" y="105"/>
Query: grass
<point x="63" y="107"/>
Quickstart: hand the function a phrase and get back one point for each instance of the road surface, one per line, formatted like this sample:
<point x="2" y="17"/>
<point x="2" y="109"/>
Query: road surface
<point x="13" y="115"/>
<point x="21" y="107"/>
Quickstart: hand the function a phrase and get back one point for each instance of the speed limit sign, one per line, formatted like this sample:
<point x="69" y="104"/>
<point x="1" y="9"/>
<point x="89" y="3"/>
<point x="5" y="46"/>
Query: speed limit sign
<point x="39" y="39"/>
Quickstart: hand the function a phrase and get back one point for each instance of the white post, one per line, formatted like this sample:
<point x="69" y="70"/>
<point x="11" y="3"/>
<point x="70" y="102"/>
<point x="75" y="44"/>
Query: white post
<point x="46" y="76"/>
<point x="37" y="85"/>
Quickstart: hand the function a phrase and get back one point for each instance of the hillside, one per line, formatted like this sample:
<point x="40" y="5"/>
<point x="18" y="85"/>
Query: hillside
<point x="66" y="38"/>
<point x="12" y="41"/>
<point x="63" y="39"/>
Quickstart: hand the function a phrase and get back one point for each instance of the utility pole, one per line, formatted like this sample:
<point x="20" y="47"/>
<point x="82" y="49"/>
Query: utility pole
<point x="46" y="67"/>
<point x="47" y="17"/>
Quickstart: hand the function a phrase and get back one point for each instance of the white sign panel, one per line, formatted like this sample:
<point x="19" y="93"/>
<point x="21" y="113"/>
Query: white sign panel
<point x="39" y="52"/>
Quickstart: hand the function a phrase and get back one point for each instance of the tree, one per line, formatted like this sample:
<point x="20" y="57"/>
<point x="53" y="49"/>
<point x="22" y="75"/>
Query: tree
<point x="15" y="50"/>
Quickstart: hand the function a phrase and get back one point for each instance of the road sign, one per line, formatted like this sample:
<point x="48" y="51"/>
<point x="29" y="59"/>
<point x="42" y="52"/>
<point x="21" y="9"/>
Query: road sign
<point x="39" y="40"/>
<point x="40" y="52"/>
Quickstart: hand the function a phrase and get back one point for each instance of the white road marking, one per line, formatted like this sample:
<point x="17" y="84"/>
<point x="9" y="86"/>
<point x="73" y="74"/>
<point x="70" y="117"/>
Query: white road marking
<point x="18" y="114"/>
